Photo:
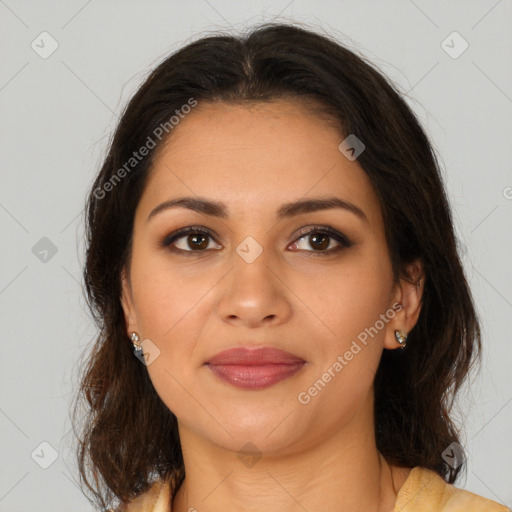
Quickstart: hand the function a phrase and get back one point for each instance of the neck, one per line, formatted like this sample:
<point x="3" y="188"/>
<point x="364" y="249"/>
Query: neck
<point x="342" y="472"/>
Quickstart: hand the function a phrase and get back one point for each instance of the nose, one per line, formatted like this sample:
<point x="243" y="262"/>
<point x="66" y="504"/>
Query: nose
<point x="253" y="295"/>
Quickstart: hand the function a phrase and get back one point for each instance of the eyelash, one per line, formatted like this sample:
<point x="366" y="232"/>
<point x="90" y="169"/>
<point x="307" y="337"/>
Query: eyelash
<point x="323" y="230"/>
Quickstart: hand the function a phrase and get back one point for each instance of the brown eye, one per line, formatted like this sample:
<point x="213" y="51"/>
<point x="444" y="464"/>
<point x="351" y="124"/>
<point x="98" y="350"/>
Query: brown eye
<point x="190" y="239"/>
<point x="320" y="239"/>
<point x="198" y="241"/>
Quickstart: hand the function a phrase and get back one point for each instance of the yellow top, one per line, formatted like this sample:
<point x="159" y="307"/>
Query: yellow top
<point x="423" y="491"/>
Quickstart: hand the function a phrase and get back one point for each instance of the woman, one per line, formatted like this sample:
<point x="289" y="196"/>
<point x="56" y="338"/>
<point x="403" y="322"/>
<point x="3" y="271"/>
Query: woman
<point x="284" y="318"/>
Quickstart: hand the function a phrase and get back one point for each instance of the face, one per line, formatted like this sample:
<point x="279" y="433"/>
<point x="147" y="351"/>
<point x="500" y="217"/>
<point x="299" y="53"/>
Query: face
<point x="314" y="282"/>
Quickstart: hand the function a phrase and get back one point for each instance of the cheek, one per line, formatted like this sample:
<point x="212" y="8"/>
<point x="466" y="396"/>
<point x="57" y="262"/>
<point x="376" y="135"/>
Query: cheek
<point x="167" y="297"/>
<point x="350" y="357"/>
<point x="172" y="310"/>
<point x="172" y="314"/>
<point x="356" y="297"/>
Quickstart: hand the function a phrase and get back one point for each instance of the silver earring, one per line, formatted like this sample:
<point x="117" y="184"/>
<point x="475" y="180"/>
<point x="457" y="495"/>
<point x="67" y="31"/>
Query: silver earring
<point x="401" y="338"/>
<point x="137" y="348"/>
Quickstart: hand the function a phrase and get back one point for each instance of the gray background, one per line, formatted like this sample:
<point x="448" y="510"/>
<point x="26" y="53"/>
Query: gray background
<point x="55" y="119"/>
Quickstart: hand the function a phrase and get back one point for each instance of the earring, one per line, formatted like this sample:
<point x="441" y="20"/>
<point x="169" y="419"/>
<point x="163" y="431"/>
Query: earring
<point x="401" y="337"/>
<point x="137" y="348"/>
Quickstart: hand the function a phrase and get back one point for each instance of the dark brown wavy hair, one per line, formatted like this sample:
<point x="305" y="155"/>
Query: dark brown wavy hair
<point x="127" y="437"/>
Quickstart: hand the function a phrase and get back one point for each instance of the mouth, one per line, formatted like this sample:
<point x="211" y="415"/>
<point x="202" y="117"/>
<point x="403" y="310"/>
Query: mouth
<point x="255" y="368"/>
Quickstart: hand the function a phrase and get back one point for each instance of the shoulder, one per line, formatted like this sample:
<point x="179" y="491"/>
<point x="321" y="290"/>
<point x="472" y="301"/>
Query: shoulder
<point x="155" y="499"/>
<point x="425" y="491"/>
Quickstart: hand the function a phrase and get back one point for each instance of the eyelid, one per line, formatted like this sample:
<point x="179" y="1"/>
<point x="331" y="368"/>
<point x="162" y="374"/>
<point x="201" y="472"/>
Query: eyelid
<point x="182" y="232"/>
<point x="333" y="233"/>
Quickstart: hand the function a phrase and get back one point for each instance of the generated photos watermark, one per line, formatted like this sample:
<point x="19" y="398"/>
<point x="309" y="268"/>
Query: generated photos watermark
<point x="159" y="133"/>
<point x="304" y="397"/>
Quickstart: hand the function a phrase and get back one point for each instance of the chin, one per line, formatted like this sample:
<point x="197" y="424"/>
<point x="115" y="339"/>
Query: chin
<point x="268" y="430"/>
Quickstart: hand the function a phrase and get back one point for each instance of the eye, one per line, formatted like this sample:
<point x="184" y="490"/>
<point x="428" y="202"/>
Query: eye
<point x="195" y="239"/>
<point x="320" y="238"/>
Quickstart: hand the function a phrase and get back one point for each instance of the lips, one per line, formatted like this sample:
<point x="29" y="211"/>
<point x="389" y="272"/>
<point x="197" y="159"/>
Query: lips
<point x="254" y="357"/>
<point x="254" y="368"/>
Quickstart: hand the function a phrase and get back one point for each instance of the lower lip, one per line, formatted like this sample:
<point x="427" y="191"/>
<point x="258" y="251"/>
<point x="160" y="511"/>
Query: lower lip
<point x="255" y="376"/>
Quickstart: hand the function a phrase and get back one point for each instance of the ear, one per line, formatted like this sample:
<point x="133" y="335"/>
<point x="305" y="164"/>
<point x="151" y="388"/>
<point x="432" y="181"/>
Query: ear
<point x="406" y="303"/>
<point x="127" y="303"/>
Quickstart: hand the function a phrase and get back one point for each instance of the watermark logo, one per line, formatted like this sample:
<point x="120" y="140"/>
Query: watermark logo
<point x="149" y="353"/>
<point x="137" y="156"/>
<point x="44" y="455"/>
<point x="351" y="147"/>
<point x="249" y="249"/>
<point x="453" y="455"/>
<point x="44" y="250"/>
<point x="249" y="455"/>
<point x="44" y="45"/>
<point x="454" y="45"/>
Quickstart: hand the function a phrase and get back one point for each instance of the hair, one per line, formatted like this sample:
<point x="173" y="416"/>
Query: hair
<point x="129" y="437"/>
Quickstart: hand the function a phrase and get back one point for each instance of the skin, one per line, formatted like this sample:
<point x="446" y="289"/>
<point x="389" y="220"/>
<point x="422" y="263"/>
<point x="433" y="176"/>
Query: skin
<point x="192" y="305"/>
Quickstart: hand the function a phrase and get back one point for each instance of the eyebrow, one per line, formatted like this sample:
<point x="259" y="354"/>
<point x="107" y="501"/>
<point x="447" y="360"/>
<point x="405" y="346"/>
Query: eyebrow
<point x="218" y="209"/>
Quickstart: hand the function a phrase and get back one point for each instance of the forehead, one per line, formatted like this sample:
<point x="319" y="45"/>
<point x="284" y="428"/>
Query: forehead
<point x="257" y="155"/>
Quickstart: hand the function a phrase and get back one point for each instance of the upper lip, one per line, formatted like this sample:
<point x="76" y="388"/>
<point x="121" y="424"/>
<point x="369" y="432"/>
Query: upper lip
<point x="256" y="356"/>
